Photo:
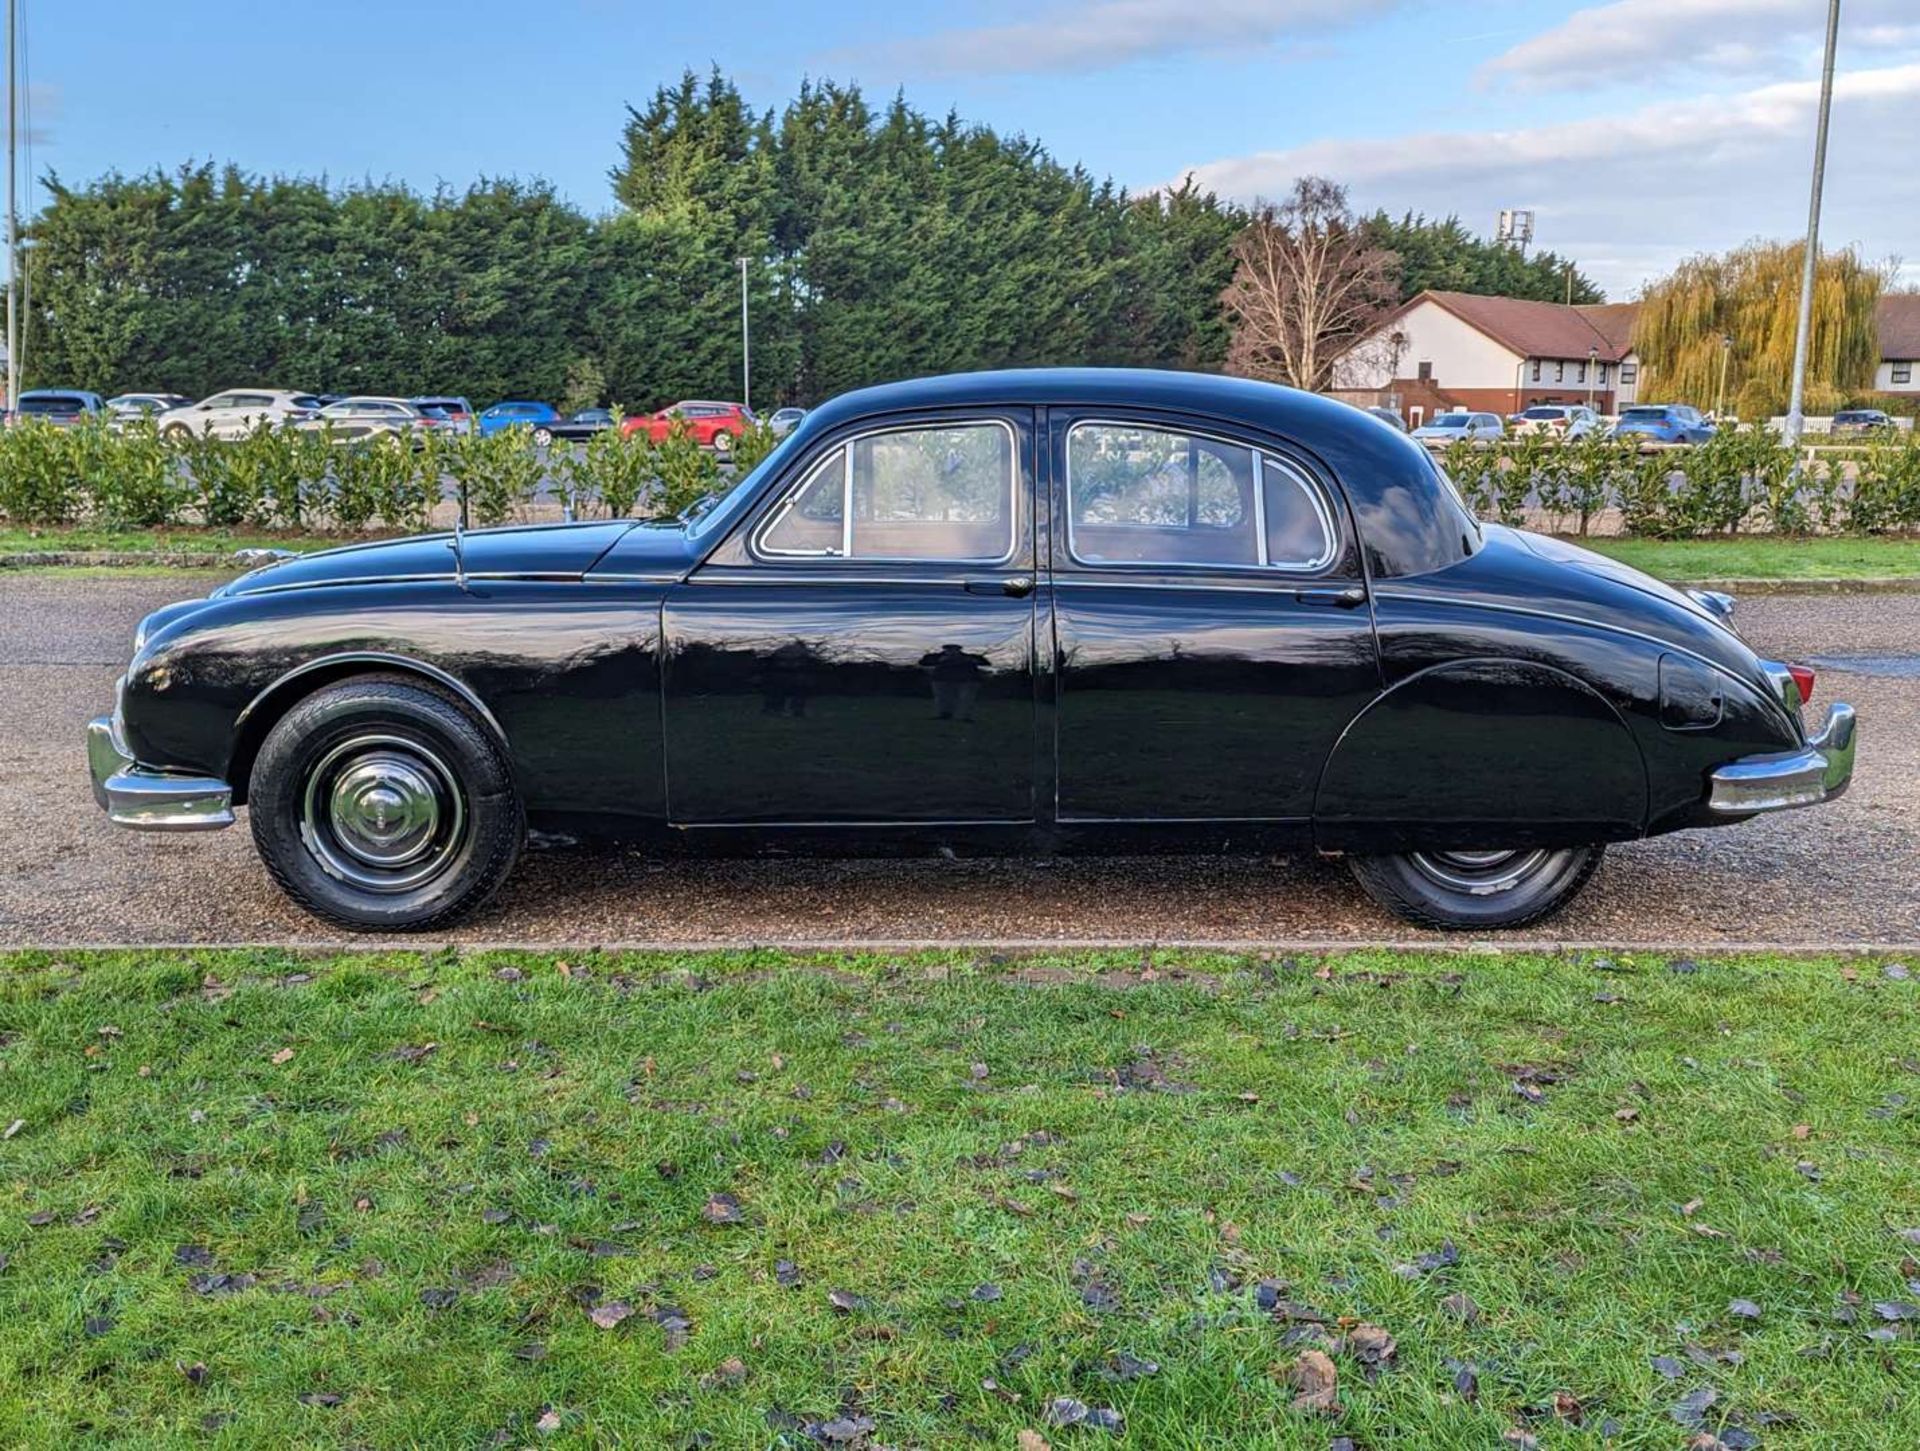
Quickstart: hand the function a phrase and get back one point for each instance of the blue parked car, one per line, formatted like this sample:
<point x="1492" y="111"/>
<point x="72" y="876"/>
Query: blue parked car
<point x="1663" y="423"/>
<point x="527" y="415"/>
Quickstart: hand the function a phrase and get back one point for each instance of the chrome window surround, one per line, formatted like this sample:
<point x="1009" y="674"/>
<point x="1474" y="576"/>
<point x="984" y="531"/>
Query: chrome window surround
<point x="1261" y="459"/>
<point x="756" y="541"/>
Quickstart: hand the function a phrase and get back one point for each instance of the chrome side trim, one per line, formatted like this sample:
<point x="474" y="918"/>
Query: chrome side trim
<point x="1787" y="779"/>
<point x="549" y="577"/>
<point x="144" y="799"/>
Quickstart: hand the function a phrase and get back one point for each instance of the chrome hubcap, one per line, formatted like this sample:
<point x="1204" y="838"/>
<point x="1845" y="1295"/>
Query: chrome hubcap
<point x="383" y="813"/>
<point x="1483" y="873"/>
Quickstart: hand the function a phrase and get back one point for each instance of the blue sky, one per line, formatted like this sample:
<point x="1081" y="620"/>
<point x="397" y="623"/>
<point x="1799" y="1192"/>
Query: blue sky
<point x="1640" y="130"/>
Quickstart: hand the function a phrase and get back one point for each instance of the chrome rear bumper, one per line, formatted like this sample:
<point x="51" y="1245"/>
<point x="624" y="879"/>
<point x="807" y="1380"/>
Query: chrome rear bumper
<point x="148" y="800"/>
<point x="1806" y="777"/>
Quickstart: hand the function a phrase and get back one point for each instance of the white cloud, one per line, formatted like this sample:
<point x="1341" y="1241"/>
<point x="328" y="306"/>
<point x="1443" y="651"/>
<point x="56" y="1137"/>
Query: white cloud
<point x="1638" y="40"/>
<point x="1627" y="196"/>
<point x="1107" y="33"/>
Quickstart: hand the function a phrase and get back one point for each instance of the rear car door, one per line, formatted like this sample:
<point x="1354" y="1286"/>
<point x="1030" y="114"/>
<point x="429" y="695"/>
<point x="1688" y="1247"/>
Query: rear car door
<point x="861" y="650"/>
<point x="1212" y="626"/>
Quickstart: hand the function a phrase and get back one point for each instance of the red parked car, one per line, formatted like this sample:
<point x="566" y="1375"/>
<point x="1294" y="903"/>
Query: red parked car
<point x="713" y="425"/>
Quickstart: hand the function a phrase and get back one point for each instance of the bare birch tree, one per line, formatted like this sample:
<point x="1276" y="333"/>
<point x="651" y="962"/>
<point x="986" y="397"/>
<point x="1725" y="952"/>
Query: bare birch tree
<point x="1308" y="279"/>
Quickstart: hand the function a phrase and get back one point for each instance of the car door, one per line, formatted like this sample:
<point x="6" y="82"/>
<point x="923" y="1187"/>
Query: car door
<point x="1212" y="627"/>
<point x="861" y="650"/>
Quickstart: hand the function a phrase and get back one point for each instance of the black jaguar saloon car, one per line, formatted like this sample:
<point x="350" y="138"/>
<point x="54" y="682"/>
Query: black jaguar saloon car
<point x="998" y="612"/>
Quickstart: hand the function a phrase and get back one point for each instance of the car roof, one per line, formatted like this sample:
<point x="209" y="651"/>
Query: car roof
<point x="368" y="398"/>
<point x="1389" y="479"/>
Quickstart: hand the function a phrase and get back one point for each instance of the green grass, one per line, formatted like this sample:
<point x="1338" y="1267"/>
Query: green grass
<point x="1124" y="1155"/>
<point x="1759" y="556"/>
<point x="89" y="538"/>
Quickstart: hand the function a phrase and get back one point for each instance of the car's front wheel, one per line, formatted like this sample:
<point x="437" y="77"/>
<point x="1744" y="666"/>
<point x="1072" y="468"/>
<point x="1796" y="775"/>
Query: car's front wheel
<point x="543" y="437"/>
<point x="382" y="805"/>
<point x="722" y="442"/>
<point x="1464" y="890"/>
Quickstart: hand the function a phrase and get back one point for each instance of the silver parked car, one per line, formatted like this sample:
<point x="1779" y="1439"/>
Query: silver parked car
<point x="354" y="420"/>
<point x="782" y="420"/>
<point x="1446" y="427"/>
<point x="125" y="408"/>
<point x="237" y="412"/>
<point x="1569" y="420"/>
<point x="455" y="413"/>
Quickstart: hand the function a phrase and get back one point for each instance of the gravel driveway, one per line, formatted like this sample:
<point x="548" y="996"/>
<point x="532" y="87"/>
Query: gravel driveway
<point x="1848" y="873"/>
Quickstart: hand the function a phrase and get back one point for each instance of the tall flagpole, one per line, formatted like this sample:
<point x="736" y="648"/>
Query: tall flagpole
<point x="13" y="209"/>
<point x="1796" y="408"/>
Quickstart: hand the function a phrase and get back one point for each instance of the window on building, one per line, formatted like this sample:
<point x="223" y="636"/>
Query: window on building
<point x="1628" y="372"/>
<point x="1536" y="370"/>
<point x="1903" y="371"/>
<point x="1424" y="373"/>
<point x="1560" y="372"/>
<point x="1603" y="375"/>
<point x="1580" y="373"/>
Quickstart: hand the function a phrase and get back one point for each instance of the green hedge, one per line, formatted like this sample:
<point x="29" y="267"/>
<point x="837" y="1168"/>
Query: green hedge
<point x="280" y="478"/>
<point x="1736" y="481"/>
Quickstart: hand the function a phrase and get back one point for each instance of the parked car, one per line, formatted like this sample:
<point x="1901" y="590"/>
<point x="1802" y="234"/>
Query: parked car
<point x="1568" y="420"/>
<point x="576" y="427"/>
<point x="62" y="407"/>
<point x="1862" y="420"/>
<point x="1446" y="427"/>
<point x="237" y="412"/>
<point x="126" y="407"/>
<point x="711" y="425"/>
<point x="455" y="414"/>
<point x="1388" y="415"/>
<point x="517" y="414"/>
<point x="1046" y="610"/>
<point x="1663" y="423"/>
<point x="356" y="420"/>
<point x="782" y="420"/>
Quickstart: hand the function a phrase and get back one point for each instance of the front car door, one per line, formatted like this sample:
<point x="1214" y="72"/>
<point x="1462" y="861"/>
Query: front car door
<point x="860" y="649"/>
<point x="1211" y="620"/>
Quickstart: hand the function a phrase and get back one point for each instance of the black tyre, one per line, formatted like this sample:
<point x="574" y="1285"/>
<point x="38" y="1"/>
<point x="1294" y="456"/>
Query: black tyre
<point x="1464" y="890"/>
<point x="382" y="805"/>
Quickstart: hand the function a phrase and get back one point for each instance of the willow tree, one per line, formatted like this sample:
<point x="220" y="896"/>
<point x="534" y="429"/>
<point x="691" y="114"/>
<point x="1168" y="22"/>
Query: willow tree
<point x="1752" y="296"/>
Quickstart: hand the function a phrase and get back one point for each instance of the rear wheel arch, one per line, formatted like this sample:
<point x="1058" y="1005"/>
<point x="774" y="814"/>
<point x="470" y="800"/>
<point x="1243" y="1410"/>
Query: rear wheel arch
<point x="270" y="706"/>
<point x="1387" y="776"/>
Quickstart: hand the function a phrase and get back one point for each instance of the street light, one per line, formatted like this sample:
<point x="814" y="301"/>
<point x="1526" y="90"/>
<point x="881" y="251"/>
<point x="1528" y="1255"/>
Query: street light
<point x="1726" y="351"/>
<point x="1796" y="407"/>
<point x="746" y="343"/>
<point x="1593" y="362"/>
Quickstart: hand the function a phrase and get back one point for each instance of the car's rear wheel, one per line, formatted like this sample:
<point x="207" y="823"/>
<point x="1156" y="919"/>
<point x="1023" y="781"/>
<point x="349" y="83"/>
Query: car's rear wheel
<point x="543" y="437"/>
<point x="1464" y="890"/>
<point x="722" y="441"/>
<point x="382" y="805"/>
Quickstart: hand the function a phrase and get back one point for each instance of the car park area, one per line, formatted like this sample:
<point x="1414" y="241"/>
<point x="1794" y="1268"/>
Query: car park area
<point x="67" y="876"/>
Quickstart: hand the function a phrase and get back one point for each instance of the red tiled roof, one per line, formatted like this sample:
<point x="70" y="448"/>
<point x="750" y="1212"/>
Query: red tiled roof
<point x="1541" y="329"/>
<point x="1898" y="318"/>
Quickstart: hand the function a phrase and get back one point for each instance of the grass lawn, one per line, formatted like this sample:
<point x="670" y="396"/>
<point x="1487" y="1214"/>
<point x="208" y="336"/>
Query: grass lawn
<point x="1760" y="556"/>
<point x="87" y="538"/>
<point x="424" y="1199"/>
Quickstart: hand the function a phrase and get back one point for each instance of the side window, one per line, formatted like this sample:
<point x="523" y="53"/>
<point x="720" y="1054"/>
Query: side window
<point x="1140" y="495"/>
<point x="942" y="493"/>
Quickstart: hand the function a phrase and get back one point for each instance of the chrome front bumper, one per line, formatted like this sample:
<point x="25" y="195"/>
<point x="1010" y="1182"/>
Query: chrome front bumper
<point x="148" y="800"/>
<point x="1805" y="777"/>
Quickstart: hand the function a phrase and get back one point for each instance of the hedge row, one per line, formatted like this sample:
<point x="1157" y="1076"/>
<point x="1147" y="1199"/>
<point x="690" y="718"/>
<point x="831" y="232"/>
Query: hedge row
<point x="284" y="478"/>
<point x="1736" y="481"/>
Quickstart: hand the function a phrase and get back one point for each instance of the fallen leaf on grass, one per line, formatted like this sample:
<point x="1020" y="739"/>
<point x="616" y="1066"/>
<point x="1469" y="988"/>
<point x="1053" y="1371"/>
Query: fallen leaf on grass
<point x="14" y="1128"/>
<point x="723" y="1209"/>
<point x="1032" y="1441"/>
<point x="320" y="1398"/>
<point x="440" y="1297"/>
<point x="1066" y="1411"/>
<point x="845" y="1302"/>
<point x="285" y="1055"/>
<point x="548" y="1423"/>
<point x="1315" y="1382"/>
<point x="1124" y="1365"/>
<point x="1745" y="1309"/>
<point x="195" y="1373"/>
<point x="1891" y="1310"/>
<point x="840" y="1431"/>
<point x="1462" y="1307"/>
<point x="414" y="1052"/>
<point x="729" y="1372"/>
<point x="1371" y="1346"/>
<point x="609" y="1313"/>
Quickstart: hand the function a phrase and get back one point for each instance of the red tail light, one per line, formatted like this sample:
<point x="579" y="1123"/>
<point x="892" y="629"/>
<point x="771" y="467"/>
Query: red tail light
<point x="1803" y="681"/>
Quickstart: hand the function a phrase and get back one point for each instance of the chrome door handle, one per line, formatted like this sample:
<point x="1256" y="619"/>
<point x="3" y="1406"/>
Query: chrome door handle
<point x="1019" y="586"/>
<point x="1350" y="598"/>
